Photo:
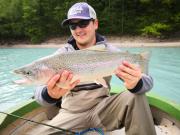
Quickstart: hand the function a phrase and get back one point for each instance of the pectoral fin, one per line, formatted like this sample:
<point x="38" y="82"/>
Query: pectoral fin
<point x="102" y="82"/>
<point x="145" y="56"/>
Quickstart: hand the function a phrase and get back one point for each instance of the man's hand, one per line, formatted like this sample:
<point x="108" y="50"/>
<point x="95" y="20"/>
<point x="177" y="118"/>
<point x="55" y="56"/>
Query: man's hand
<point x="129" y="73"/>
<point x="65" y="78"/>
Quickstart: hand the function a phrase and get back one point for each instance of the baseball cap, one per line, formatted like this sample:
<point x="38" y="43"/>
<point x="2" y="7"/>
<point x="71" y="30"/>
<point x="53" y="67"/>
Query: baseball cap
<point x="80" y="10"/>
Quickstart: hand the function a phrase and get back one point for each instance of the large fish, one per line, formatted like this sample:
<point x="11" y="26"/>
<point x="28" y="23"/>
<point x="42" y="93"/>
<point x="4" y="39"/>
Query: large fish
<point x="88" y="65"/>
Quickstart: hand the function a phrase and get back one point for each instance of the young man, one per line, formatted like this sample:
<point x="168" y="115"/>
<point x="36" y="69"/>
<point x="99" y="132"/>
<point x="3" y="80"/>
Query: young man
<point x="90" y="105"/>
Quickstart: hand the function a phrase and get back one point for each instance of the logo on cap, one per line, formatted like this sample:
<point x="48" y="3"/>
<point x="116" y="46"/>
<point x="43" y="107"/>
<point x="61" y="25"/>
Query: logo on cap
<point x="80" y="10"/>
<point x="77" y="10"/>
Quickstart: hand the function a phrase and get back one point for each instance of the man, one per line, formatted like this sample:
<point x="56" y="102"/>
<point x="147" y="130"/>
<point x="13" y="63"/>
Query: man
<point x="90" y="105"/>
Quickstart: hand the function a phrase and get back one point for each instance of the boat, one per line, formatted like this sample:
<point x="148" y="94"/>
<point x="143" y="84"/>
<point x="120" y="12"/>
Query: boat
<point x="20" y="119"/>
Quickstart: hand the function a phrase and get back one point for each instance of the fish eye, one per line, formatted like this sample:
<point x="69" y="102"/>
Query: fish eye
<point x="28" y="72"/>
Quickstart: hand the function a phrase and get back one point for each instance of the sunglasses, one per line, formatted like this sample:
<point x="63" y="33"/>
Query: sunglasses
<point x="80" y="24"/>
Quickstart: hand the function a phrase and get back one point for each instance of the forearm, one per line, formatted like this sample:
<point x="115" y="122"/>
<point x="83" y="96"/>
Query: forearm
<point x="42" y="97"/>
<point x="144" y="85"/>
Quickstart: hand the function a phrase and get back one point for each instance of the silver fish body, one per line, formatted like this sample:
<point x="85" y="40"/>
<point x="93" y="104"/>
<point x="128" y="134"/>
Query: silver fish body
<point x="87" y="65"/>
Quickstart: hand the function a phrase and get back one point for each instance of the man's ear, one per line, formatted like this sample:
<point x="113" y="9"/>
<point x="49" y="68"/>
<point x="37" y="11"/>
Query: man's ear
<point x="96" y="24"/>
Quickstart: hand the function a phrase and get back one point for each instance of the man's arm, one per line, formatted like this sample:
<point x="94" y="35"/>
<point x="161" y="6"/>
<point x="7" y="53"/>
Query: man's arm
<point x="43" y="98"/>
<point x="51" y="93"/>
<point x="145" y="84"/>
<point x="134" y="80"/>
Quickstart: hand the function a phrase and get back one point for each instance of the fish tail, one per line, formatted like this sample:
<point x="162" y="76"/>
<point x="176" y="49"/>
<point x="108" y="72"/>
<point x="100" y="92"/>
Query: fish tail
<point x="145" y="56"/>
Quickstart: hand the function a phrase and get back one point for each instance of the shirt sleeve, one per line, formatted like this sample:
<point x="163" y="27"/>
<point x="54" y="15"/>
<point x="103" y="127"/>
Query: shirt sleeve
<point x="42" y="97"/>
<point x="145" y="84"/>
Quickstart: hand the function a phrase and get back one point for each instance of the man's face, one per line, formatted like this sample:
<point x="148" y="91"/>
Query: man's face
<point x="83" y="31"/>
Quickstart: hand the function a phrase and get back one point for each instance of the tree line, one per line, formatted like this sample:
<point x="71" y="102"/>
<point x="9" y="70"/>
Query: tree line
<point x="36" y="20"/>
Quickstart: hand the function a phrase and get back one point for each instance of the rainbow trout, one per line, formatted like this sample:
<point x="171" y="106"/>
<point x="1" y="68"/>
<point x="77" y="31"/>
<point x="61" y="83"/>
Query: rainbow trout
<point x="88" y="65"/>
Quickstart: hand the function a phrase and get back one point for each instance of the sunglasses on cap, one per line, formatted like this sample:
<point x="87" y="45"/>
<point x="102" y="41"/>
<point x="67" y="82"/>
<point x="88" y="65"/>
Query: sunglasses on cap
<point x="80" y="24"/>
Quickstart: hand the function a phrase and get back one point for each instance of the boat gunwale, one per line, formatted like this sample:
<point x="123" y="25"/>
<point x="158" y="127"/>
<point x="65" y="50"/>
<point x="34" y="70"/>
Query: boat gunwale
<point x="19" y="110"/>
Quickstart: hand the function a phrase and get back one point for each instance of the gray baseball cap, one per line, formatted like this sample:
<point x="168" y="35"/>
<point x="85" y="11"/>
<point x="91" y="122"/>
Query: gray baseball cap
<point x="80" y="10"/>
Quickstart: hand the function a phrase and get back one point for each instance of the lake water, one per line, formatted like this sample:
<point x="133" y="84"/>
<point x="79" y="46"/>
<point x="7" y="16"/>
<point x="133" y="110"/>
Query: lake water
<point x="164" y="68"/>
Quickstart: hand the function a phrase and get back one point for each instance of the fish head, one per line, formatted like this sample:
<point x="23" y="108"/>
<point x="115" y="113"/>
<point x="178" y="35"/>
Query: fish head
<point x="33" y="74"/>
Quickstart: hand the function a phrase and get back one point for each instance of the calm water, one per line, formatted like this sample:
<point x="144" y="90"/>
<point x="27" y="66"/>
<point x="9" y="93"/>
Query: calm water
<point x="164" y="67"/>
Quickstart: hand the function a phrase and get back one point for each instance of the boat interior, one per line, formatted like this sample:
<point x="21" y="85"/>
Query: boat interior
<point x="164" y="124"/>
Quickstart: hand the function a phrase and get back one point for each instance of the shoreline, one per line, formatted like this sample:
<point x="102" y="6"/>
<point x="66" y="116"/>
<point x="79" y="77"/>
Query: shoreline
<point x="124" y="45"/>
<point x="115" y="41"/>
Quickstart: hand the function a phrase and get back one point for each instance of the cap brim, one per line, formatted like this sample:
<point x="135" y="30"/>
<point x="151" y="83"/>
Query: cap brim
<point x="66" y="21"/>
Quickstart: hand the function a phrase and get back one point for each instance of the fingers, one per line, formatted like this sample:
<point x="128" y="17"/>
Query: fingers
<point x="61" y="84"/>
<point x="129" y="73"/>
<point x="129" y="68"/>
<point x="69" y="78"/>
<point x="125" y="76"/>
<point x="65" y="80"/>
<point x="52" y="82"/>
<point x="64" y="76"/>
<point x="130" y="65"/>
<point x="75" y="83"/>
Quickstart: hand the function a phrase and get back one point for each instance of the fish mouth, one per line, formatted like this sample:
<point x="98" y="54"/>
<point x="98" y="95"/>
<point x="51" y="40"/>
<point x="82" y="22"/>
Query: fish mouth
<point x="24" y="81"/>
<point x="17" y="72"/>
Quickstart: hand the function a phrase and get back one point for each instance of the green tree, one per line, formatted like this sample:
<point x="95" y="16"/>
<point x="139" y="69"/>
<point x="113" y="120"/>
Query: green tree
<point x="37" y="20"/>
<point x="11" y="22"/>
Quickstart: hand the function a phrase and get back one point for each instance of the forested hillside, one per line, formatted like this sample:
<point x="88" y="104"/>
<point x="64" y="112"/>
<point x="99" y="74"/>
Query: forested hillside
<point x="36" y="20"/>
